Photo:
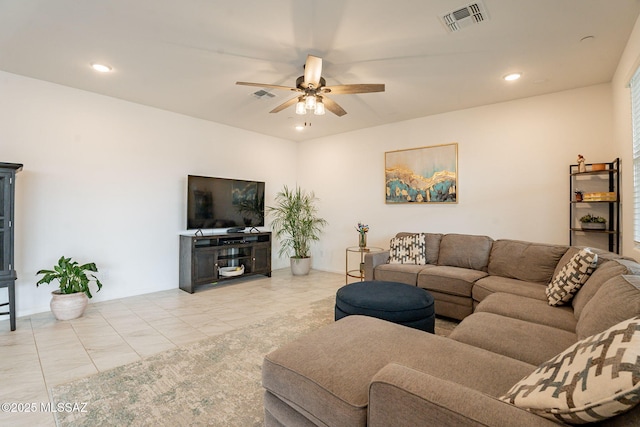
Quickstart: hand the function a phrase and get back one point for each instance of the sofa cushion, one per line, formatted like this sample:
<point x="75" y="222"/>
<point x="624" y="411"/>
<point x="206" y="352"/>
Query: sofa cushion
<point x="529" y="309"/>
<point x="490" y="284"/>
<point x="402" y="273"/>
<point x="531" y="262"/>
<point x="594" y="379"/>
<point x="518" y="339"/>
<point x="453" y="306"/>
<point x="571" y="277"/>
<point x="408" y="250"/>
<point x="603" y="256"/>
<point x="616" y="300"/>
<point x="450" y="280"/>
<point x="603" y="273"/>
<point x="433" y="247"/>
<point x="405" y="397"/>
<point x="464" y="250"/>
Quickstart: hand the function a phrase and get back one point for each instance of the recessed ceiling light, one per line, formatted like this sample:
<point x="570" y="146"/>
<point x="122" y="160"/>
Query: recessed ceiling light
<point x="512" y="76"/>
<point x="101" y="67"/>
<point x="299" y="127"/>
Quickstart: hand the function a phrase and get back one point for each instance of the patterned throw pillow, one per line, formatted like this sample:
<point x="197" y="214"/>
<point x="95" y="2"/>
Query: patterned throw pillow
<point x="594" y="379"/>
<point x="408" y="250"/>
<point x="571" y="278"/>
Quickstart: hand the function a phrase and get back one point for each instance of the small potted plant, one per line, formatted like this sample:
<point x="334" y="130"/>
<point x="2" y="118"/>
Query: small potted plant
<point x="71" y="299"/>
<point x="591" y="222"/>
<point x="296" y="224"/>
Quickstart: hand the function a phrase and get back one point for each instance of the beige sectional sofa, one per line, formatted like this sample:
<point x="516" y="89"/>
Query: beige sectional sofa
<point x="364" y="371"/>
<point x="461" y="270"/>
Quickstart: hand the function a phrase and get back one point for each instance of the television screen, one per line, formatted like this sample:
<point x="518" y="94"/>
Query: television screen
<point x="222" y="203"/>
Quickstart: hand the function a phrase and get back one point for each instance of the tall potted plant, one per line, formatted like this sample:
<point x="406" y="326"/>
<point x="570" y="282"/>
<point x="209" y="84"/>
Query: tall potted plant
<point x="296" y="224"/>
<point x="71" y="299"/>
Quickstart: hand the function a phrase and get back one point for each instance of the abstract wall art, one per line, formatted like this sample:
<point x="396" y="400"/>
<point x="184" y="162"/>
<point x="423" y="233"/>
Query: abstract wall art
<point x="422" y="175"/>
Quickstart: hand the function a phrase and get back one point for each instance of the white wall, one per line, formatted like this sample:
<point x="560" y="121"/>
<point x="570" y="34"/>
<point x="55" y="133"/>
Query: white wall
<point x="513" y="161"/>
<point x="104" y="180"/>
<point x="622" y="136"/>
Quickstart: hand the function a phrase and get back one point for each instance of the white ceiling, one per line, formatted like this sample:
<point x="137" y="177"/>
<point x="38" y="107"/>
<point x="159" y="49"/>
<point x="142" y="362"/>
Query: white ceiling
<point x="186" y="55"/>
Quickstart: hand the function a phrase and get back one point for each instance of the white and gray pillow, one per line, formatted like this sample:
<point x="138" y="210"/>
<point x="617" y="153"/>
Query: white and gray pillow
<point x="594" y="379"/>
<point x="411" y="249"/>
<point x="571" y="277"/>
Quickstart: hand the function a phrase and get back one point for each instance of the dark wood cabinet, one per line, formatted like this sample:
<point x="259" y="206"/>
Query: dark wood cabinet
<point x="8" y="274"/>
<point x="203" y="257"/>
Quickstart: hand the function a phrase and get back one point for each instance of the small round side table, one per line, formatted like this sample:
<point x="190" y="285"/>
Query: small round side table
<point x="359" y="273"/>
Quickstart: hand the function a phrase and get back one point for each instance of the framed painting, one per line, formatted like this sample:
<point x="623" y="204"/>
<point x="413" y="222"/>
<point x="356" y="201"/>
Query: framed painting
<point x="422" y="175"/>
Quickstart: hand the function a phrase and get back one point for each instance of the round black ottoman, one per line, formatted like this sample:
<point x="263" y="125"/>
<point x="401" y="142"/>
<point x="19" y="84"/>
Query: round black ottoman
<point x="396" y="302"/>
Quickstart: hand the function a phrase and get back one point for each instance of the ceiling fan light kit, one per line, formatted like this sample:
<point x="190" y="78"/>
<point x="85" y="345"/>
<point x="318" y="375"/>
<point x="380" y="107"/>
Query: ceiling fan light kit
<point x="310" y="102"/>
<point x="313" y="103"/>
<point x="301" y="107"/>
<point x="313" y="89"/>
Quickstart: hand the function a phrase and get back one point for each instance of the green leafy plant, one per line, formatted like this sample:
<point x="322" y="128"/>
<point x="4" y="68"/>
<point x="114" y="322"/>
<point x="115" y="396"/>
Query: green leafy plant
<point x="295" y="221"/>
<point x="591" y="218"/>
<point x="71" y="276"/>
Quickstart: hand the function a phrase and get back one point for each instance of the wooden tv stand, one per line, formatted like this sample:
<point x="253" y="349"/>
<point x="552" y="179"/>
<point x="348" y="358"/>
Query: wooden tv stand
<point x="202" y="256"/>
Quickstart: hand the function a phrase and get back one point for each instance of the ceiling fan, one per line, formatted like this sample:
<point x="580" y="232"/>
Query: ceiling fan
<point x="313" y="91"/>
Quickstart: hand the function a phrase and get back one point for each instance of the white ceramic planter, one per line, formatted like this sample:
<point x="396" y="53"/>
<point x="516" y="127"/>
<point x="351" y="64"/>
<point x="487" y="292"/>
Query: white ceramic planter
<point x="593" y="225"/>
<point x="300" y="266"/>
<point x="68" y="306"/>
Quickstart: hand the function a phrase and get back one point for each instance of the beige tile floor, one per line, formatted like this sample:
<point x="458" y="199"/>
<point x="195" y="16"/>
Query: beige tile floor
<point x="43" y="352"/>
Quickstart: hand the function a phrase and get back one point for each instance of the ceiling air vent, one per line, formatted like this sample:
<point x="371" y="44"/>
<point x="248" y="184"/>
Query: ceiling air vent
<point x="262" y="93"/>
<point x="473" y="13"/>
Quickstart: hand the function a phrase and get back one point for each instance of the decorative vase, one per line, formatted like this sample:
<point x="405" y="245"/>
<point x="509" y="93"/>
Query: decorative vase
<point x="362" y="240"/>
<point x="68" y="306"/>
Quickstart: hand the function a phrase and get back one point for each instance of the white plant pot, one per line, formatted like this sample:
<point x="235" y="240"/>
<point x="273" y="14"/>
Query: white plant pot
<point x="593" y="225"/>
<point x="300" y="266"/>
<point x="68" y="306"/>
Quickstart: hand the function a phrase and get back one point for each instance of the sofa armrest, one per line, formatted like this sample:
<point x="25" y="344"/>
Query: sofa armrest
<point x="401" y="396"/>
<point x="371" y="261"/>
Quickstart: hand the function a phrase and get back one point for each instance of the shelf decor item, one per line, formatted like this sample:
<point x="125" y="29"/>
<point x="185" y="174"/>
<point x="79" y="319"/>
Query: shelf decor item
<point x="581" y="166"/>
<point x="232" y="271"/>
<point x="591" y="222"/>
<point x="71" y="299"/>
<point x="579" y="195"/>
<point x="363" y="229"/>
<point x="296" y="224"/>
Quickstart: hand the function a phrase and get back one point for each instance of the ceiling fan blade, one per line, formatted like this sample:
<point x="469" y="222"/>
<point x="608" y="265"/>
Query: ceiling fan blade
<point x="351" y="89"/>
<point x="267" y="86"/>
<point x="284" y="105"/>
<point x="312" y="71"/>
<point x="333" y="107"/>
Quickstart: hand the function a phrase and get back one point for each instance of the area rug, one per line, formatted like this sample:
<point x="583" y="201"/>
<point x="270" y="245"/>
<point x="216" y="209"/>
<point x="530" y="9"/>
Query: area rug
<point x="213" y="382"/>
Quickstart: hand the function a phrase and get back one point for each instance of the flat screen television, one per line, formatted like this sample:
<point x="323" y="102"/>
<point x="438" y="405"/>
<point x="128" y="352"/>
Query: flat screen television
<point x="223" y="203"/>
